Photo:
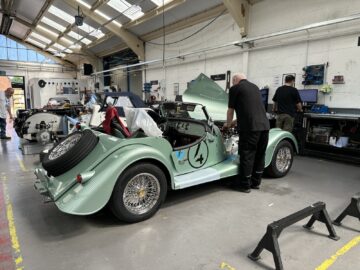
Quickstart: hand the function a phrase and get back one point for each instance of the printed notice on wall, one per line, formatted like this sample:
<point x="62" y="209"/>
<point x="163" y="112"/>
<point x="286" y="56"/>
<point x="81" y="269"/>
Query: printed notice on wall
<point x="277" y="81"/>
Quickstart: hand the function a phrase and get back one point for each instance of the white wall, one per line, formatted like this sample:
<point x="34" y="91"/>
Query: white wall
<point x="28" y="74"/>
<point x="183" y="71"/>
<point x="271" y="58"/>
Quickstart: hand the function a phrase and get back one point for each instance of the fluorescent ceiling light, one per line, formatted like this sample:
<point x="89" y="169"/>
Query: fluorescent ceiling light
<point x="106" y="17"/>
<point x="117" y="23"/>
<point x="159" y="3"/>
<point x="133" y="12"/>
<point x="61" y="14"/>
<point x="86" y="41"/>
<point x="68" y="51"/>
<point x="40" y="37"/>
<point x="60" y="54"/>
<point x="84" y="3"/>
<point x="66" y="40"/>
<point x="75" y="46"/>
<point x="51" y="50"/>
<point x="36" y="43"/>
<point x="53" y="24"/>
<point x="58" y="46"/>
<point x="47" y="30"/>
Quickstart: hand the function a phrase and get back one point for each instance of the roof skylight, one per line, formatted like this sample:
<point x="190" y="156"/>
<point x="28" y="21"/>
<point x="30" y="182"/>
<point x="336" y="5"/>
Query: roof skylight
<point x="61" y="14"/>
<point x="40" y="37"/>
<point x="36" y="43"/>
<point x="131" y="11"/>
<point x="91" y="30"/>
<point x="53" y="24"/>
<point x="78" y="37"/>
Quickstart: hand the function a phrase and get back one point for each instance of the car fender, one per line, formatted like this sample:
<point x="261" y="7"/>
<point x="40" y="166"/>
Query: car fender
<point x="92" y="196"/>
<point x="276" y="135"/>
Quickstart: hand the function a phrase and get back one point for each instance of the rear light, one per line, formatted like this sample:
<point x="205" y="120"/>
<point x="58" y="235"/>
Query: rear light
<point x="82" y="178"/>
<point x="79" y="178"/>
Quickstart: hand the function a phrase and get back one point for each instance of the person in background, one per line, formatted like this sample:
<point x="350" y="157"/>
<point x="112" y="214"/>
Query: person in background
<point x="5" y="107"/>
<point x="286" y="102"/>
<point x="253" y="128"/>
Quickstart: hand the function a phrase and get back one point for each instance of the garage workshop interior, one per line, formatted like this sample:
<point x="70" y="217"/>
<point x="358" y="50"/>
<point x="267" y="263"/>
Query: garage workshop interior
<point x="179" y="134"/>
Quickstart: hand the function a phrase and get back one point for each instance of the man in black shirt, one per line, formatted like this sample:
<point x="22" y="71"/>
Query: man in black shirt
<point x="253" y="128"/>
<point x="286" y="102"/>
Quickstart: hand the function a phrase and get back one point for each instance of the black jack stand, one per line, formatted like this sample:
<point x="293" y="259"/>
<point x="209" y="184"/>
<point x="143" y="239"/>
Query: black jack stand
<point x="352" y="210"/>
<point x="270" y="239"/>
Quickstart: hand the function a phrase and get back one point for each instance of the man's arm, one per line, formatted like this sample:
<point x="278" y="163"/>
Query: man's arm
<point x="8" y="108"/>
<point x="299" y="107"/>
<point x="229" y="117"/>
<point x="274" y="109"/>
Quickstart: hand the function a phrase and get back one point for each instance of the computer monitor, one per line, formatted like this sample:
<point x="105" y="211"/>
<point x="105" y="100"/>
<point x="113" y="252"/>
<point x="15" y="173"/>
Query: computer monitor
<point x="309" y="95"/>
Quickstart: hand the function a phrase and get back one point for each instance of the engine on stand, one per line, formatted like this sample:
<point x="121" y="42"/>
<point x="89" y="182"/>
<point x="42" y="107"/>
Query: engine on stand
<point x="231" y="140"/>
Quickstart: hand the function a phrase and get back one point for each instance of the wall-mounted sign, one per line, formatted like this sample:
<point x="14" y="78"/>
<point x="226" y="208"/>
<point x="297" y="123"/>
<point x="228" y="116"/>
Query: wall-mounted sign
<point x="154" y="82"/>
<point x="218" y="77"/>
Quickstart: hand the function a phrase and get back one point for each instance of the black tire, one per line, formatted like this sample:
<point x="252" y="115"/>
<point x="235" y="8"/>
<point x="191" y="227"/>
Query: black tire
<point x="280" y="170"/>
<point x="117" y="204"/>
<point x="86" y="142"/>
<point x="42" y="154"/>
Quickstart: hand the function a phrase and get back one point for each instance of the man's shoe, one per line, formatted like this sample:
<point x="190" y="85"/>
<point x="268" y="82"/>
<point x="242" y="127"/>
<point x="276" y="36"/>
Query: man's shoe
<point x="255" y="187"/>
<point x="5" y="138"/>
<point x="244" y="190"/>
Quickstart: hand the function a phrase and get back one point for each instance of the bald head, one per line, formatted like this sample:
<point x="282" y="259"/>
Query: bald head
<point x="9" y="92"/>
<point x="237" y="78"/>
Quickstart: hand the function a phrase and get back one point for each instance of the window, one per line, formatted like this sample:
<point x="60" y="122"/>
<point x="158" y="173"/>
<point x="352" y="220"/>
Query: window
<point x="53" y="24"/>
<point x="32" y="56"/>
<point x="22" y="55"/>
<point x="12" y="54"/>
<point x="11" y="50"/>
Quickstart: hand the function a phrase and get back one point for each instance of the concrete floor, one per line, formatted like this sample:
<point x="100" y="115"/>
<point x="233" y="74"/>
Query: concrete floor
<point x="205" y="227"/>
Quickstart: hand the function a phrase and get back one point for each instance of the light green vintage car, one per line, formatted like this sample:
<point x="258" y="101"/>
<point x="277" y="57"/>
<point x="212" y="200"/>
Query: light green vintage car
<point x="90" y="169"/>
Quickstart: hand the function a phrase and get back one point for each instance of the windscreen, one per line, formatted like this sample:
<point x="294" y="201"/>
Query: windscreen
<point x="183" y="110"/>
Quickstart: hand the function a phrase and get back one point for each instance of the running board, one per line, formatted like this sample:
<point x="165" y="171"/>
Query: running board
<point x="227" y="168"/>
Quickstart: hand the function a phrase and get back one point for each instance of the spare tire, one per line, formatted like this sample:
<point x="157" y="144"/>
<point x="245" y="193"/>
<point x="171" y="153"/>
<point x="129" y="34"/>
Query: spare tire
<point x="69" y="152"/>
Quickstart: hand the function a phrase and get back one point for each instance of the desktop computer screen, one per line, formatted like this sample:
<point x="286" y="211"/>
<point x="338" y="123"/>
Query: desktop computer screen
<point x="309" y="95"/>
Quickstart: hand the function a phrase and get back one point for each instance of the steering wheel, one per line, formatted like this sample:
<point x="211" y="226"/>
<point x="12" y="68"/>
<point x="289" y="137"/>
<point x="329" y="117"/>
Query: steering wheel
<point x="163" y="126"/>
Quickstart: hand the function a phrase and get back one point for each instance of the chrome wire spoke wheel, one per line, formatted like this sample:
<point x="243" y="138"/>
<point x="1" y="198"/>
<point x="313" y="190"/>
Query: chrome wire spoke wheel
<point x="283" y="159"/>
<point x="141" y="193"/>
<point x="64" y="146"/>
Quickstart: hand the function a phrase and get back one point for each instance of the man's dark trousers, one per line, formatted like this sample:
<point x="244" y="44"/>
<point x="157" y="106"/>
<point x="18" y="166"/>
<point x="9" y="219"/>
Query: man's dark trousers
<point x="2" y="127"/>
<point x="252" y="148"/>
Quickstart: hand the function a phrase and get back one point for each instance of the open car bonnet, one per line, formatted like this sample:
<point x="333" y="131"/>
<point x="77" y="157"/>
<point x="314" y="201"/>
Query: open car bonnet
<point x="205" y="91"/>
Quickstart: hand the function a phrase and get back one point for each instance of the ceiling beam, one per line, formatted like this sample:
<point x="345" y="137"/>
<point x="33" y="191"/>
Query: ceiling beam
<point x="147" y="16"/>
<point x="171" y="28"/>
<point x="48" y="55"/>
<point x="92" y="57"/>
<point x="239" y="10"/>
<point x="134" y="43"/>
<point x="186" y="22"/>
